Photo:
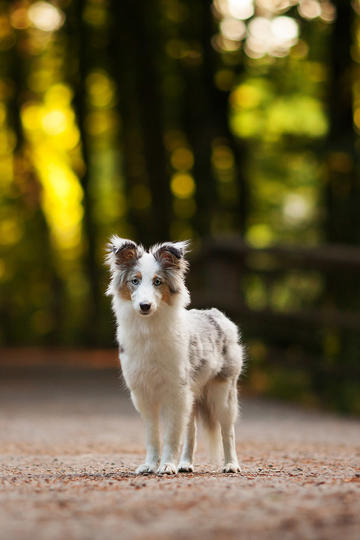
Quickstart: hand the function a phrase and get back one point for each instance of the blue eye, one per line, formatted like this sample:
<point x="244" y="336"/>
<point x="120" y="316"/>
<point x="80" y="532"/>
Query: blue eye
<point x="157" y="282"/>
<point x="135" y="281"/>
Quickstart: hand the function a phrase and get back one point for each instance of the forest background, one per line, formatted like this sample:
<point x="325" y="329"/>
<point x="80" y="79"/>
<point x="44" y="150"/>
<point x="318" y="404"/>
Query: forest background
<point x="231" y="122"/>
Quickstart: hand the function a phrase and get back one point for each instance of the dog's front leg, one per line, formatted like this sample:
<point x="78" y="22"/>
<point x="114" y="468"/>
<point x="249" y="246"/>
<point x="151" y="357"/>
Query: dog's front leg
<point x="186" y="460"/>
<point x="176" y="415"/>
<point x="150" y="416"/>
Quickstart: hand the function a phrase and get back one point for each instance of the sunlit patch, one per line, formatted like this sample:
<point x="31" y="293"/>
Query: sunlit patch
<point x="296" y="208"/>
<point x="101" y="123"/>
<point x="182" y="185"/>
<point x="39" y="80"/>
<point x="259" y="112"/>
<point x="10" y="231"/>
<point x="53" y="119"/>
<point x="328" y="11"/>
<point x="19" y="18"/>
<point x="101" y="89"/>
<point x="268" y="32"/>
<point x="260" y="235"/>
<point x="182" y="159"/>
<point x="357" y="117"/>
<point x="271" y="36"/>
<point x="45" y="16"/>
<point x="309" y="9"/>
<point x="62" y="197"/>
<point x="51" y="130"/>
<point x="238" y="9"/>
<point x="247" y="96"/>
<point x="59" y="95"/>
<point x="233" y="29"/>
<point x="54" y="122"/>
<point x="222" y="158"/>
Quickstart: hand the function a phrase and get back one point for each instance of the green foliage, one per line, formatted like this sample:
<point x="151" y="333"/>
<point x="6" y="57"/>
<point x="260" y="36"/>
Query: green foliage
<point x="175" y="119"/>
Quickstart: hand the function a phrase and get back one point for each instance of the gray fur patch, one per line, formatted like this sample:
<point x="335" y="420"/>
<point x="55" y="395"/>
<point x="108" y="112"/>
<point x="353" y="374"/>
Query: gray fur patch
<point x="197" y="368"/>
<point x="170" y="278"/>
<point x="226" y="372"/>
<point x="216" y="325"/>
<point x="125" y="275"/>
<point x="173" y="264"/>
<point x="197" y="362"/>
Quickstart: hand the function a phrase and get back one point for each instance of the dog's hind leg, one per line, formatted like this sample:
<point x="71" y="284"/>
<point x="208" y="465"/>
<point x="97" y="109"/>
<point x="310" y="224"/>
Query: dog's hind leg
<point x="186" y="460"/>
<point x="223" y="394"/>
<point x="227" y="418"/>
<point x="150" y="416"/>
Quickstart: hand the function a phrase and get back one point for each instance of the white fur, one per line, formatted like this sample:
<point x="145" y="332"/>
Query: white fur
<point x="165" y="380"/>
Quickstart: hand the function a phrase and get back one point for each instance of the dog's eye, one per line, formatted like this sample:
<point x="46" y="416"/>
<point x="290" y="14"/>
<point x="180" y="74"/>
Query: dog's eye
<point x="157" y="282"/>
<point x="135" y="281"/>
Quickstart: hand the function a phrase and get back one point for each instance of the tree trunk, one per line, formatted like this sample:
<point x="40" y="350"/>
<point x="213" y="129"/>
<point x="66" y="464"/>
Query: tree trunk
<point x="137" y="44"/>
<point x="343" y="187"/>
<point x="81" y="38"/>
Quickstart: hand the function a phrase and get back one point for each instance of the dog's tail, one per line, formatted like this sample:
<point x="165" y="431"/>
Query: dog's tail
<point x="212" y="429"/>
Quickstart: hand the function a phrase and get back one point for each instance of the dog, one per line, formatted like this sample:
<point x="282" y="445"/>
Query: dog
<point x="179" y="364"/>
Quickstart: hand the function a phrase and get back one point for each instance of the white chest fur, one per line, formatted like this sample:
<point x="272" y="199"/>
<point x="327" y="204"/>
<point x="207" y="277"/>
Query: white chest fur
<point x="153" y="351"/>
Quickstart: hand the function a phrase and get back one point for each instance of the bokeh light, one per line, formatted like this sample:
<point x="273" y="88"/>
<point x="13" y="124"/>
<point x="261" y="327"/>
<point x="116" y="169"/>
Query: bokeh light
<point x="182" y="185"/>
<point x="45" y="16"/>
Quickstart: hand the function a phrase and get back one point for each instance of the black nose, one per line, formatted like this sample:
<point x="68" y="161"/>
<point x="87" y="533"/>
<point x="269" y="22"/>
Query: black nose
<point x="145" y="307"/>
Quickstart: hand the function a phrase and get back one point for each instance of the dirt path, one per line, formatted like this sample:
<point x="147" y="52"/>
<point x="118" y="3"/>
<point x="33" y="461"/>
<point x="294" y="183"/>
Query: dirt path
<point x="69" y="443"/>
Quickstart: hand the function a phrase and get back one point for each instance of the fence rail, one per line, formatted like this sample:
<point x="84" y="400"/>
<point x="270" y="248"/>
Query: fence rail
<point x="318" y="331"/>
<point x="219" y="267"/>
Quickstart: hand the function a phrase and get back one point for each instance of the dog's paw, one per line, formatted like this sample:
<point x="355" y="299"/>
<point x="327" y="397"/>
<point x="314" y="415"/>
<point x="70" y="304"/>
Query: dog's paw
<point x="167" y="468"/>
<point x="231" y="468"/>
<point x="146" y="469"/>
<point x="185" y="466"/>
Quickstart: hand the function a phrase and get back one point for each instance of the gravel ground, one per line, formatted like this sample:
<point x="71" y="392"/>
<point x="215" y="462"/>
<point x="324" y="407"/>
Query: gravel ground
<point x="70" y="441"/>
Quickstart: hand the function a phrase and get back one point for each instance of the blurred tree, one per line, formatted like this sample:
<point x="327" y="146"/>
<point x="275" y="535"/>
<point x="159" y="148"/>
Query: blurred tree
<point x="30" y="263"/>
<point x="136" y="48"/>
<point x="82" y="39"/>
<point x="342" y="224"/>
<point x="205" y="115"/>
<point x="343" y="182"/>
<point x="173" y="119"/>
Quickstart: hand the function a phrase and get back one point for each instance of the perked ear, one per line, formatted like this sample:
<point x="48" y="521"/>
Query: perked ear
<point x="122" y="252"/>
<point x="171" y="254"/>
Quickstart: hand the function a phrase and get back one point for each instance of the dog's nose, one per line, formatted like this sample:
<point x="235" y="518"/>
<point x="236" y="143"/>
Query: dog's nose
<point x="145" y="307"/>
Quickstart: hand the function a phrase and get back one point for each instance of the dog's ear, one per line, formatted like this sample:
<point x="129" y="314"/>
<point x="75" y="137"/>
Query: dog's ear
<point x="171" y="255"/>
<point x="122" y="252"/>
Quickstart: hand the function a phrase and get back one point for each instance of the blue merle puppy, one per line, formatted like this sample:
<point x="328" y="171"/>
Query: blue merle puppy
<point x="179" y="364"/>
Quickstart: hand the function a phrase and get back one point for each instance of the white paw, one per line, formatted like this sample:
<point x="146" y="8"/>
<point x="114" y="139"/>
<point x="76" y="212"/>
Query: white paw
<point x="167" y="468"/>
<point x="146" y="469"/>
<point x="231" y="467"/>
<point x="185" y="466"/>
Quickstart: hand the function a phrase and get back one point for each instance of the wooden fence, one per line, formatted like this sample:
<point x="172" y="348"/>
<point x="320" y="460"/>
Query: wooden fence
<point x="299" y="308"/>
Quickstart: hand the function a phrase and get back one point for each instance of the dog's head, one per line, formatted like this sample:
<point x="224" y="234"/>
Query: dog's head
<point x="147" y="279"/>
